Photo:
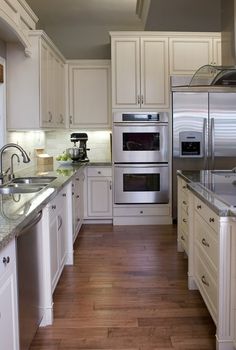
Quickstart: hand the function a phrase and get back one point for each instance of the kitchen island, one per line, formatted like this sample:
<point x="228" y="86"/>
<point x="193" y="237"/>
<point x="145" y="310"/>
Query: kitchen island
<point x="207" y="234"/>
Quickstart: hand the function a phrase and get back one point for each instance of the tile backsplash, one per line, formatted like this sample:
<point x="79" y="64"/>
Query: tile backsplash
<point x="54" y="143"/>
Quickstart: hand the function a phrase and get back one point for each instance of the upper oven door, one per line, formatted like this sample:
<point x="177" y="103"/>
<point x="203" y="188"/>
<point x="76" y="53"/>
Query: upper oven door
<point x="140" y="142"/>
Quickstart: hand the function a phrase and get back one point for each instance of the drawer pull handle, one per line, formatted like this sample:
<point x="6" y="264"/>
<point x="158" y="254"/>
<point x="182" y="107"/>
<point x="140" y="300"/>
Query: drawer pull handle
<point x="99" y="172"/>
<point x="77" y="196"/>
<point x="199" y="207"/>
<point x="204" y="281"/>
<point x="184" y="202"/>
<point x="141" y="212"/>
<point x="6" y="260"/>
<point x="184" y="187"/>
<point x="211" y="220"/>
<point x="64" y="195"/>
<point x="205" y="243"/>
<point x="182" y="237"/>
<point x="54" y="207"/>
<point x="184" y="220"/>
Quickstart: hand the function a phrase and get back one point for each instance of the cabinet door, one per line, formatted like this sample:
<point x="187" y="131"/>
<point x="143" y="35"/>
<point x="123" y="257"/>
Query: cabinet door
<point x="154" y="73"/>
<point x="62" y="229"/>
<point x="126" y="73"/>
<point x="51" y="86"/>
<point x="9" y="333"/>
<point x="99" y="197"/>
<point x="188" y="54"/>
<point x="45" y="116"/>
<point x="89" y="95"/>
<point x="54" y="257"/>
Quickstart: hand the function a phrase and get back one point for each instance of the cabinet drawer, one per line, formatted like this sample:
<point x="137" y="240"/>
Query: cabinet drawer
<point x="184" y="239"/>
<point x="99" y="171"/>
<point x="184" y="201"/>
<point x="142" y="211"/>
<point x="183" y="185"/>
<point x="7" y="257"/>
<point x="206" y="213"/>
<point x="206" y="282"/>
<point x="184" y="221"/>
<point x="207" y="240"/>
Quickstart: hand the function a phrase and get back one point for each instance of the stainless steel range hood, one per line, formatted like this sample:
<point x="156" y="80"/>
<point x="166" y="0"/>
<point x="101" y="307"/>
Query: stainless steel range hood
<point x="228" y="32"/>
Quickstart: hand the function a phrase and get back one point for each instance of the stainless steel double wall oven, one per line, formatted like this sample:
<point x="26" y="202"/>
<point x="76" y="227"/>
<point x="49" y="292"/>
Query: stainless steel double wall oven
<point x="140" y="156"/>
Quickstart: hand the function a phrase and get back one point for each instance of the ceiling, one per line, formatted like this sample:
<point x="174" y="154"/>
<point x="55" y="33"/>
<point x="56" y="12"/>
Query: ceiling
<point x="80" y="28"/>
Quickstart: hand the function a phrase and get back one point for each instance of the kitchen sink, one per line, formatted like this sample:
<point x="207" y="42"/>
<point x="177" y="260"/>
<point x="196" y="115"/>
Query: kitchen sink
<point x="42" y="180"/>
<point x="16" y="188"/>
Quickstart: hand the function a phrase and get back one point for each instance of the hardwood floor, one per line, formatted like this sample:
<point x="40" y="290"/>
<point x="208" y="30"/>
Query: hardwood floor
<point x="127" y="291"/>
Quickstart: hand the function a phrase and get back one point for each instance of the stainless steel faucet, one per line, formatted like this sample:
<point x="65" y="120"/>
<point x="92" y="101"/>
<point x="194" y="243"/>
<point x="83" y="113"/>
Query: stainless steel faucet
<point x="25" y="157"/>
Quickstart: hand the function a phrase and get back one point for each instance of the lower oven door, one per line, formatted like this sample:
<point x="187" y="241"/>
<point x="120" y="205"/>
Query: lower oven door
<point x="141" y="183"/>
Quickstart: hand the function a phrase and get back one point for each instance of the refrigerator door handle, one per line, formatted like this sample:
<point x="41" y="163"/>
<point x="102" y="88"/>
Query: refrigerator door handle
<point x="212" y="141"/>
<point x="204" y="141"/>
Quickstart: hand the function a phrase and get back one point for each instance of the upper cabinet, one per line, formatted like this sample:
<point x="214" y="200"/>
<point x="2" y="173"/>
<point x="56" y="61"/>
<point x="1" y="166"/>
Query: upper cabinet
<point x="36" y="85"/>
<point x="188" y="52"/>
<point x="139" y="71"/>
<point x="89" y="94"/>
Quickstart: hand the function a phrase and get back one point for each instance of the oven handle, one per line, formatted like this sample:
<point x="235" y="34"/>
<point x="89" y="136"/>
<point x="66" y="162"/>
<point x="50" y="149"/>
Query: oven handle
<point x="140" y="124"/>
<point x="129" y="165"/>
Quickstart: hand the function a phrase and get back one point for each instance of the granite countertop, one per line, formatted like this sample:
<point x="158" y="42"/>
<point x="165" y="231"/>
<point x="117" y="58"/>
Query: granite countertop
<point x="17" y="210"/>
<point x="215" y="188"/>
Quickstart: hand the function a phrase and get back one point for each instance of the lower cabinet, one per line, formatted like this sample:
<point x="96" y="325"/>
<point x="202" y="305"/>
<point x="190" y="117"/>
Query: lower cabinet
<point x="56" y="246"/>
<point x="212" y="264"/>
<point x="78" y="201"/>
<point x="98" y="202"/>
<point x="9" y="331"/>
<point x="57" y="235"/>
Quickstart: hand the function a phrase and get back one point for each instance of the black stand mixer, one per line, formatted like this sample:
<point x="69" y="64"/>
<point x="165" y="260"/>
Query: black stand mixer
<point x="79" y="154"/>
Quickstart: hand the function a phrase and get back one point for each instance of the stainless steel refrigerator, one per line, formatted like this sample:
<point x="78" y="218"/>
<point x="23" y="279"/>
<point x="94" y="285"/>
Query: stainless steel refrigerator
<point x="204" y="125"/>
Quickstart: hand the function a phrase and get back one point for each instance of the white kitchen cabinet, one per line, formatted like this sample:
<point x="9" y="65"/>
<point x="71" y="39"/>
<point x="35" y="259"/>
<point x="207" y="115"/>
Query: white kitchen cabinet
<point x="36" y="85"/>
<point x="89" y="94"/>
<point x="139" y="71"/>
<point x="57" y="235"/>
<point x="211" y="264"/>
<point x="183" y="217"/>
<point x="98" y="202"/>
<point x="189" y="52"/>
<point x="77" y="201"/>
<point x="9" y="331"/>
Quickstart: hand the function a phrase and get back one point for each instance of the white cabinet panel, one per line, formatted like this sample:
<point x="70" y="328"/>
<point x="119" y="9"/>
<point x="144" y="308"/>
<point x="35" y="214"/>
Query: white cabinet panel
<point x="140" y="72"/>
<point x="89" y="94"/>
<point x="36" y="87"/>
<point x="9" y="333"/>
<point x="188" y="53"/>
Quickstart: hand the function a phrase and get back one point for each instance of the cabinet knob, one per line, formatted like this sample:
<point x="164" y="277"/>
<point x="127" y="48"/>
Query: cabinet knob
<point x="70" y="119"/>
<point x="142" y="99"/>
<point x="204" y="281"/>
<point x="6" y="260"/>
<point x="77" y="179"/>
<point x="64" y="195"/>
<point x="182" y="237"/>
<point x="199" y="207"/>
<point x="205" y="243"/>
<point x="73" y="193"/>
<point x="184" y="187"/>
<point x="211" y="220"/>
<point x="77" y="196"/>
<point x="54" y="206"/>
<point x="99" y="172"/>
<point x="184" y="202"/>
<point x="138" y="100"/>
<point x="184" y="220"/>
<point x="50" y="116"/>
<point x="141" y="211"/>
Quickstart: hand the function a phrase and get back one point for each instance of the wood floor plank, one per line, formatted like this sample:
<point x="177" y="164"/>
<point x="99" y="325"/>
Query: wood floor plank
<point x="127" y="291"/>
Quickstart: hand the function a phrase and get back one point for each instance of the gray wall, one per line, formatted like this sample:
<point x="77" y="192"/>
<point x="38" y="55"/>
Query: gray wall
<point x="184" y="15"/>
